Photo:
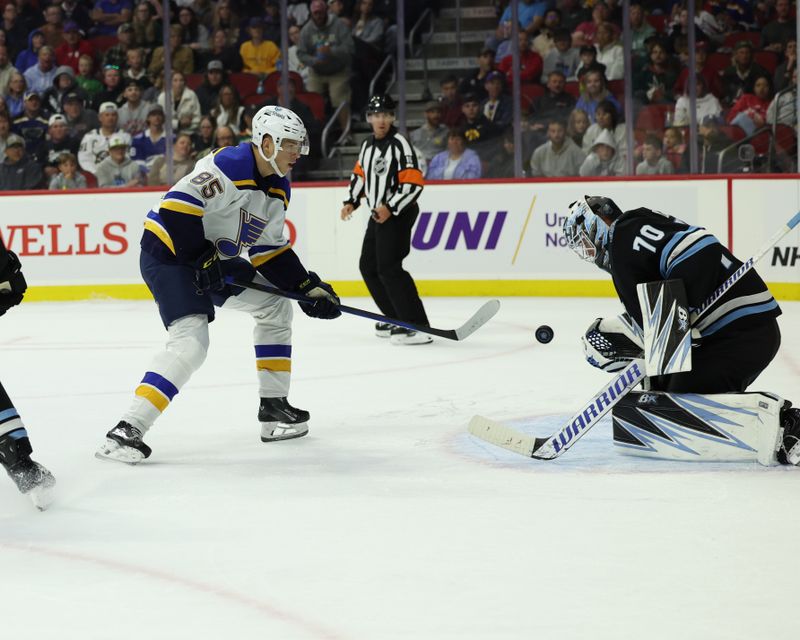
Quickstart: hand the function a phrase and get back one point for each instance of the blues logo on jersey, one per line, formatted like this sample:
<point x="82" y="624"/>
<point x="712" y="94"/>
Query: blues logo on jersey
<point x="250" y="229"/>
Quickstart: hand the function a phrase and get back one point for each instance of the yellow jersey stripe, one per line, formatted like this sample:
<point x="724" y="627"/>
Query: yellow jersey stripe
<point x="280" y="193"/>
<point x="181" y="207"/>
<point x="161" y="233"/>
<point x="158" y="399"/>
<point x="273" y="365"/>
<point x="257" y="261"/>
<point x="244" y="183"/>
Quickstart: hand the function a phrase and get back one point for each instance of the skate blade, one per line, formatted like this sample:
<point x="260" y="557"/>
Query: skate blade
<point x="273" y="431"/>
<point x="115" y="452"/>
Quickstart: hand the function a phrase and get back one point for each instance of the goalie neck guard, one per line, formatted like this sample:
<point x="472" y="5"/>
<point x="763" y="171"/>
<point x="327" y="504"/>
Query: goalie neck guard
<point x="586" y="232"/>
<point x="282" y="125"/>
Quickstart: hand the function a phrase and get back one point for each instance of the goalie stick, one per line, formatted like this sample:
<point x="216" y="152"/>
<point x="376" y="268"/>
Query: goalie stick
<point x="478" y="319"/>
<point x="590" y="414"/>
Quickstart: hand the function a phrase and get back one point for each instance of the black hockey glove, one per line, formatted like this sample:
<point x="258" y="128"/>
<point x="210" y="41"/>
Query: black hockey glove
<point x="208" y="274"/>
<point x="326" y="303"/>
<point x="12" y="283"/>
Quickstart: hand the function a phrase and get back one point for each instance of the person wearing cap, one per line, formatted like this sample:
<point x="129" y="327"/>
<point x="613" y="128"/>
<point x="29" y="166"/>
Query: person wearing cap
<point x="79" y="119"/>
<point x="95" y="143"/>
<point x="19" y="172"/>
<point x="53" y="27"/>
<point x="738" y="78"/>
<point x="326" y="48"/>
<point x="109" y="14"/>
<point x="133" y="112"/>
<point x="474" y="81"/>
<point x="58" y="142"/>
<point x="112" y="87"/>
<point x="117" y="55"/>
<point x="603" y="160"/>
<point x="258" y="55"/>
<point x="480" y="133"/>
<point x="497" y="106"/>
<point x="63" y="83"/>
<point x="40" y="76"/>
<point x="73" y="47"/>
<point x="431" y="137"/>
<point x="152" y="142"/>
<point x="182" y="57"/>
<point x="387" y="177"/>
<point x="117" y="169"/>
<point x="31" y="124"/>
<point x="208" y="91"/>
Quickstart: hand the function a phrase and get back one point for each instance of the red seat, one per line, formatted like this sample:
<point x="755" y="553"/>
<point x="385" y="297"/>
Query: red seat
<point x="529" y="93"/>
<point x="617" y="87"/>
<point x="767" y="59"/>
<point x="718" y="62"/>
<point x="761" y="142"/>
<point x="658" y="22"/>
<point x="273" y="80"/>
<point x="91" y="179"/>
<point x="259" y="100"/>
<point x="754" y="37"/>
<point x="245" y="83"/>
<point x="193" y="80"/>
<point x="573" y="88"/>
<point x="315" y="102"/>
<point x="785" y="138"/>
<point x="734" y="132"/>
<point x="102" y="43"/>
<point x="653" y="117"/>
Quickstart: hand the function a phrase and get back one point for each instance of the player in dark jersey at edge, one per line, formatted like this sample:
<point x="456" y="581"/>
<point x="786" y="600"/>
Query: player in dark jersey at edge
<point x="737" y="339"/>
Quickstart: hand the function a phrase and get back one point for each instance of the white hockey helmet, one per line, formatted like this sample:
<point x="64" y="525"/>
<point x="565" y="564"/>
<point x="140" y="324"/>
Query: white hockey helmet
<point x="280" y="124"/>
<point x="587" y="234"/>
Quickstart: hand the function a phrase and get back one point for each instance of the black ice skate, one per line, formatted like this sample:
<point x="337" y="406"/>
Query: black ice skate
<point x="281" y="421"/>
<point x="124" y="444"/>
<point x="789" y="453"/>
<point x="401" y="335"/>
<point x="383" y="329"/>
<point x="32" y="479"/>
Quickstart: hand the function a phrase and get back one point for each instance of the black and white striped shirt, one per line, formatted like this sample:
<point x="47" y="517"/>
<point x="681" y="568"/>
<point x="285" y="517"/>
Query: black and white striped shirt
<point x="386" y="172"/>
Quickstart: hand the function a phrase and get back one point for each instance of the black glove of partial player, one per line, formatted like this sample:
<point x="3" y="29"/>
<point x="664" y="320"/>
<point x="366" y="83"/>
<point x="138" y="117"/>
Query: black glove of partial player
<point x="326" y="302"/>
<point x="208" y="274"/>
<point x="12" y="283"/>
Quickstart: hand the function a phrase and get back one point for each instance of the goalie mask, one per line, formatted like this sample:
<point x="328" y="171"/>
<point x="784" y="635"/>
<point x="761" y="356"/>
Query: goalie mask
<point x="284" y="127"/>
<point x="587" y="233"/>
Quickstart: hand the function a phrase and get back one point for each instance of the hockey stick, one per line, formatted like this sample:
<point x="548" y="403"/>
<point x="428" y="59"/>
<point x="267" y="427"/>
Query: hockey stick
<point x="478" y="319"/>
<point x="553" y="446"/>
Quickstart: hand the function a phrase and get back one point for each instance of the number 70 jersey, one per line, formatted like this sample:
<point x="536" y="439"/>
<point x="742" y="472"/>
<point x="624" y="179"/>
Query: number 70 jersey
<point x="647" y="246"/>
<point x="223" y="200"/>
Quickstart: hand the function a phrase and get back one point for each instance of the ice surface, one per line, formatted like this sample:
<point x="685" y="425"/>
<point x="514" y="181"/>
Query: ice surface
<point x="388" y="521"/>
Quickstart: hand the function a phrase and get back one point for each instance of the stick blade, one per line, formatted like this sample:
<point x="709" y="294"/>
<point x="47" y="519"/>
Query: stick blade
<point x="481" y="317"/>
<point x="500" y="435"/>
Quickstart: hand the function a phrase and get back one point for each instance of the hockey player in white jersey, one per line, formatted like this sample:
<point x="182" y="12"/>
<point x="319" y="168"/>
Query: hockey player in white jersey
<point x="233" y="202"/>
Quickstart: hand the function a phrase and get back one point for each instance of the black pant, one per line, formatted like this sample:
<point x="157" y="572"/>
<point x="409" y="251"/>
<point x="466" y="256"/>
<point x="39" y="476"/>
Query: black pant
<point x="392" y="287"/>
<point x="728" y="363"/>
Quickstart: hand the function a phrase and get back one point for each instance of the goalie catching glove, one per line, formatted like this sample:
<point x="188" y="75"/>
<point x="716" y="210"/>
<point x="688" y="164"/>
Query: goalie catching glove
<point x="326" y="302"/>
<point x="611" y="343"/>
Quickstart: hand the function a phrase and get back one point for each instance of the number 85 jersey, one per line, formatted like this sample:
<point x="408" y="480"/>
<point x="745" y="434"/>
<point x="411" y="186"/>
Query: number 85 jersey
<point x="646" y="246"/>
<point x="226" y="201"/>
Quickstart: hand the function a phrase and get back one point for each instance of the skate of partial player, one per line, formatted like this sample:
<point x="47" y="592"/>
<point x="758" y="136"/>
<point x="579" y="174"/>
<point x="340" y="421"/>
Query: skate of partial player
<point x="32" y="479"/>
<point x="732" y="343"/>
<point x="233" y="201"/>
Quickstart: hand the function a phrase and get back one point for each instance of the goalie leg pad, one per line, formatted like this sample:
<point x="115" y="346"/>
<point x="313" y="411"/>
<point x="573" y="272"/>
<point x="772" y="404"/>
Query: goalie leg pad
<point x="725" y="427"/>
<point x="666" y="327"/>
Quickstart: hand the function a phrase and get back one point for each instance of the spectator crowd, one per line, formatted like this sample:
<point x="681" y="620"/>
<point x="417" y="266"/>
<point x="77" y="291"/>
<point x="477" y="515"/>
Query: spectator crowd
<point x="82" y="86"/>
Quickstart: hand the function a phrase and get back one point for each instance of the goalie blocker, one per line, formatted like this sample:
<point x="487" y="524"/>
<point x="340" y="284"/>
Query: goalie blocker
<point x="725" y="427"/>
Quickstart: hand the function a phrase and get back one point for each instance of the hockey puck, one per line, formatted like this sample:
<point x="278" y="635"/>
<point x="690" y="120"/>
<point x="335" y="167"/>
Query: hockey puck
<point x="544" y="334"/>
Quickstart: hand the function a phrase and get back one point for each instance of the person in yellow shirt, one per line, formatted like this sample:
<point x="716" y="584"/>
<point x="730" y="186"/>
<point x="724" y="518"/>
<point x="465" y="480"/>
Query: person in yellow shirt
<point x="258" y="55"/>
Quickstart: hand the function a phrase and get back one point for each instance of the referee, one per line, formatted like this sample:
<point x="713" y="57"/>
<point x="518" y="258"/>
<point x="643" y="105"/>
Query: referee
<point x="387" y="174"/>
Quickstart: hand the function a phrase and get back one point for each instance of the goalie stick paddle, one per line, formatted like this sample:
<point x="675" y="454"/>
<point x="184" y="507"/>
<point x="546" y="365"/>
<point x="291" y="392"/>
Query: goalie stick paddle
<point x="478" y="319"/>
<point x="553" y="446"/>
